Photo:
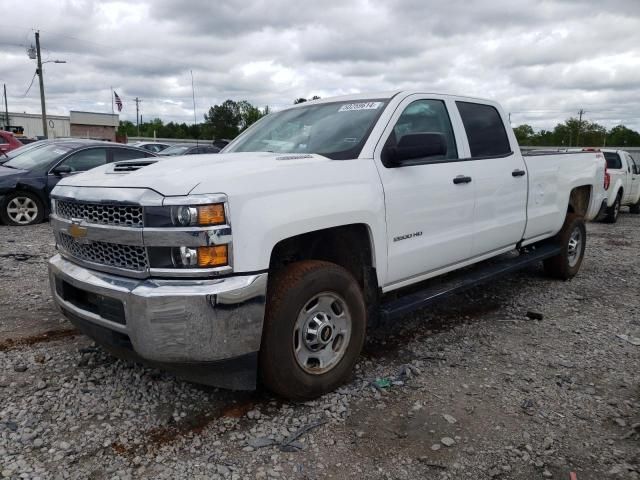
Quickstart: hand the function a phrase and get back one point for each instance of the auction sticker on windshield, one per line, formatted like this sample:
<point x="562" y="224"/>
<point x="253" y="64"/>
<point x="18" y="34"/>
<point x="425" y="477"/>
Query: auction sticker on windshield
<point x="350" y="107"/>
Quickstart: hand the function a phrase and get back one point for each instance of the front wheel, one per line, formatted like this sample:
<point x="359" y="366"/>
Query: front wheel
<point x="314" y="329"/>
<point x="21" y="208"/>
<point x="635" y="208"/>
<point x="572" y="239"/>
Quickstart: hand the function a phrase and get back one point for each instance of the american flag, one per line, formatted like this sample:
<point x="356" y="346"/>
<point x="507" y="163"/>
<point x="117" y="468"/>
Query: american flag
<point x="118" y="101"/>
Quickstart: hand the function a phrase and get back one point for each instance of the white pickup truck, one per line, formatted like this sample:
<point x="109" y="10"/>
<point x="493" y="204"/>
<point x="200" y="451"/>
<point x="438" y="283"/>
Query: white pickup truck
<point x="269" y="259"/>
<point x="623" y="179"/>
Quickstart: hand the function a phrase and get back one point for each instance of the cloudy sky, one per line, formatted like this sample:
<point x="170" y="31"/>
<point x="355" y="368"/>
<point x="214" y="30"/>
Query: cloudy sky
<point x="544" y="60"/>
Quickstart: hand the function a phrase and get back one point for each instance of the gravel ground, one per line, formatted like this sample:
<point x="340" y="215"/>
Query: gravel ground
<point x="26" y="306"/>
<point x="472" y="388"/>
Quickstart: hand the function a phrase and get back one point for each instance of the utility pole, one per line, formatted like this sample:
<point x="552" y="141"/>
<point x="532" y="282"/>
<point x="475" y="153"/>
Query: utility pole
<point x="137" y="100"/>
<point x="580" y="113"/>
<point x="44" y="110"/>
<point x="6" y="108"/>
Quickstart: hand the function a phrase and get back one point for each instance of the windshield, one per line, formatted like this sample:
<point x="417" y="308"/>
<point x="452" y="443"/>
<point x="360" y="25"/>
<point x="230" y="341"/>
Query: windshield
<point x="37" y="157"/>
<point x="25" y="148"/>
<point x="336" y="130"/>
<point x="176" y="150"/>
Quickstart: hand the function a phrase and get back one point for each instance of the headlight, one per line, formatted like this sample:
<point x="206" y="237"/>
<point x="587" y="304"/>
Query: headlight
<point x="201" y="215"/>
<point x="187" y="234"/>
<point x="203" y="257"/>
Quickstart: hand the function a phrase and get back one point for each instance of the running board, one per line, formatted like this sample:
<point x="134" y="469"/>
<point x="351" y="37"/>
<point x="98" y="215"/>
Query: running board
<point x="479" y="274"/>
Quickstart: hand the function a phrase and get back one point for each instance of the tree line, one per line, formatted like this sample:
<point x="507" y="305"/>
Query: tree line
<point x="576" y="133"/>
<point x="224" y="121"/>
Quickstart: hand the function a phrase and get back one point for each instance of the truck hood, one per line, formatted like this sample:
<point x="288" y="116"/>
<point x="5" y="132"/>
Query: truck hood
<point x="214" y="173"/>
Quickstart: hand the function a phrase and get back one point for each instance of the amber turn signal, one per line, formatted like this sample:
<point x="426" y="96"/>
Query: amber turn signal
<point x="211" y="214"/>
<point x="216" y="256"/>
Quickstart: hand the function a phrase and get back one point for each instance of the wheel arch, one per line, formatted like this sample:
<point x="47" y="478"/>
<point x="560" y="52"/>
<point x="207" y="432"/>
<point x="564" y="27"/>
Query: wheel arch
<point x="25" y="187"/>
<point x="350" y="246"/>
<point x="618" y="190"/>
<point x="579" y="200"/>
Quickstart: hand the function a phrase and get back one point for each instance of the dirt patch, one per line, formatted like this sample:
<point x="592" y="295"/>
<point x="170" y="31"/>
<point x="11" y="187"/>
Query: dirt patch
<point x="49" y="336"/>
<point x="193" y="424"/>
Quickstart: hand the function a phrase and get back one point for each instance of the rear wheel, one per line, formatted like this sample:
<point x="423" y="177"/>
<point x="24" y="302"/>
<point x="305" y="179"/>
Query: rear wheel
<point x="21" y="208"/>
<point x="572" y="239"/>
<point x="614" y="210"/>
<point x="314" y="329"/>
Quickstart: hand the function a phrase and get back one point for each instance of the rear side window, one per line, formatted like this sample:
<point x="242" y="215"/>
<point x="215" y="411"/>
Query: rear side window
<point x="485" y="130"/>
<point x="120" y="154"/>
<point x="209" y="150"/>
<point x="613" y="160"/>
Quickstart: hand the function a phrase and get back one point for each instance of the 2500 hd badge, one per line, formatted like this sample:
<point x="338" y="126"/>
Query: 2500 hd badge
<point x="407" y="236"/>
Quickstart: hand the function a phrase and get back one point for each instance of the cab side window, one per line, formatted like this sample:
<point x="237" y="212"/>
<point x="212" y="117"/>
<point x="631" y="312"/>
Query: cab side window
<point x="86" y="159"/>
<point x="425" y="117"/>
<point x="485" y="130"/>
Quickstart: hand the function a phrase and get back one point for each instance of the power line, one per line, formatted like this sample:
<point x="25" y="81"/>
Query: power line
<point x="31" y="84"/>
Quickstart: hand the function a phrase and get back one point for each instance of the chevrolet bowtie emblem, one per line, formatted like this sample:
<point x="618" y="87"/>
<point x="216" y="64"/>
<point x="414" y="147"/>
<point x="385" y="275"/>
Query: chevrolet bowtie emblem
<point x="77" y="231"/>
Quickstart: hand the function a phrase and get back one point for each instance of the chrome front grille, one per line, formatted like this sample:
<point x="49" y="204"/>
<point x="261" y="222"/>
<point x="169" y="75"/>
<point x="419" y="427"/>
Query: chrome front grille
<point x="129" y="215"/>
<point x="129" y="257"/>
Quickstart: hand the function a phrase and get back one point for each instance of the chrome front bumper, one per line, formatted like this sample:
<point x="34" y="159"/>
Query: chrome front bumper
<point x="181" y="321"/>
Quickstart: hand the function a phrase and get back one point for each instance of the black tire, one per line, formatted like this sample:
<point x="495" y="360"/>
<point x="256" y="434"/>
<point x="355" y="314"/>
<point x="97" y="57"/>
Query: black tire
<point x="567" y="263"/>
<point x="15" y="200"/>
<point x="291" y="291"/>
<point x="614" y="210"/>
<point x="635" y="208"/>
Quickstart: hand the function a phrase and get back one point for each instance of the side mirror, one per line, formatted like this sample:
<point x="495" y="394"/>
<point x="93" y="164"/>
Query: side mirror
<point x="416" y="145"/>
<point x="62" y="170"/>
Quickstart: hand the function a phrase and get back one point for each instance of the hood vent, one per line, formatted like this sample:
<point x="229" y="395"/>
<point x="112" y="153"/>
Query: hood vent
<point x="294" y="157"/>
<point x="131" y="166"/>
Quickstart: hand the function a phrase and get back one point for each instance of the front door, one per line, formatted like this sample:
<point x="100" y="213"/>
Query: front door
<point x="77" y="162"/>
<point x="429" y="217"/>
<point x="634" y="175"/>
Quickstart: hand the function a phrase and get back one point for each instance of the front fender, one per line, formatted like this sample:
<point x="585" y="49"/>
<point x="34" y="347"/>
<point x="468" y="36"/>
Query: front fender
<point x="262" y="219"/>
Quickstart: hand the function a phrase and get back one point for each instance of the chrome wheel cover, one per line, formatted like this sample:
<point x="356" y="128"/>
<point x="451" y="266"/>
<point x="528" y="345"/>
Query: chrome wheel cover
<point x="574" y="247"/>
<point x="321" y="333"/>
<point x="22" y="210"/>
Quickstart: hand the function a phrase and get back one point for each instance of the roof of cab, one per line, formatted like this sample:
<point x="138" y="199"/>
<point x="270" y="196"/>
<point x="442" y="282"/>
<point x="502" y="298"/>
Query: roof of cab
<point x="387" y="95"/>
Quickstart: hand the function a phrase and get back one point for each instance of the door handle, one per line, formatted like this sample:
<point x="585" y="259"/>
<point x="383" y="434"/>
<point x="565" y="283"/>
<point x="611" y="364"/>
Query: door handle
<point x="518" y="173"/>
<point x="461" y="179"/>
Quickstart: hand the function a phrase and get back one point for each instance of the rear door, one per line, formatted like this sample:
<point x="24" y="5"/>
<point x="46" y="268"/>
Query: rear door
<point x="500" y="178"/>
<point x="429" y="217"/>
